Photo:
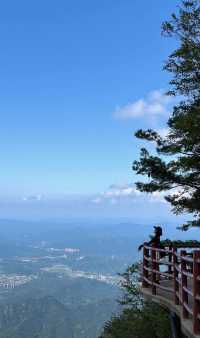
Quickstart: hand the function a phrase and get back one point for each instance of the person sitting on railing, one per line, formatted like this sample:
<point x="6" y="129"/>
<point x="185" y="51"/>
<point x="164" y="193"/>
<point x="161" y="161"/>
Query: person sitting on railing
<point x="155" y="240"/>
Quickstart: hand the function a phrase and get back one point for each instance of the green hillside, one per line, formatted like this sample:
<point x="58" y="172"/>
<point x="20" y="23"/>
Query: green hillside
<point x="36" y="318"/>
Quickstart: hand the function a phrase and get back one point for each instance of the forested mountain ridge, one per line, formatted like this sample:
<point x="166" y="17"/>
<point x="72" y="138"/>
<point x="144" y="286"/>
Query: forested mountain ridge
<point x="47" y="317"/>
<point x="36" y="318"/>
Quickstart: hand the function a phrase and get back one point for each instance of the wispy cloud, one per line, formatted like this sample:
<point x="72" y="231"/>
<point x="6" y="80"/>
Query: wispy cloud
<point x="32" y="198"/>
<point x="126" y="193"/>
<point x="155" y="103"/>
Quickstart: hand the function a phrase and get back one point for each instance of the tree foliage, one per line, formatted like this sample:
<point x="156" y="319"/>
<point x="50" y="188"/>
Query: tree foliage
<point x="138" y="319"/>
<point x="175" y="169"/>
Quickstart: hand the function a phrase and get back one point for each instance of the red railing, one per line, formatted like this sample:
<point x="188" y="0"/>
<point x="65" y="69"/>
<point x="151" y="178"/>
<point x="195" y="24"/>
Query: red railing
<point x="174" y="272"/>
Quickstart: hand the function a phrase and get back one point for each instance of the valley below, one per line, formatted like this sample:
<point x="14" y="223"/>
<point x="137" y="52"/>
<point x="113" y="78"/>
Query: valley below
<point x="53" y="287"/>
<point x="61" y="279"/>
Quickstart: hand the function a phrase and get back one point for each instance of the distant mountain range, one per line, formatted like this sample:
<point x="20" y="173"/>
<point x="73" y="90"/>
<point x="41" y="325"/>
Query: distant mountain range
<point x="48" y="318"/>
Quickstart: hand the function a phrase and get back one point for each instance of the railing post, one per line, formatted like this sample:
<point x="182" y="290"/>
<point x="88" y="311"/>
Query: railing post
<point x="145" y="265"/>
<point x="176" y="284"/>
<point x="170" y="259"/>
<point x="196" y="292"/>
<point x="184" y="284"/>
<point x="154" y="268"/>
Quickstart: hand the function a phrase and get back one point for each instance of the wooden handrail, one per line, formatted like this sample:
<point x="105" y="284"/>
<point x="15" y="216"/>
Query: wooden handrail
<point x="197" y="297"/>
<point x="157" y="272"/>
<point x="188" y="259"/>
<point x="152" y="248"/>
<point x="145" y="264"/>
<point x="177" y="267"/>
<point x="184" y="282"/>
<point x="147" y="280"/>
<point x="187" y="273"/>
<point x="178" y="280"/>
<point x="164" y="263"/>
<point x="188" y="291"/>
<point x="165" y="288"/>
<point x="187" y="308"/>
<point x="182" y="268"/>
<point x="196" y="291"/>
<point x="147" y="258"/>
<point x="179" y="297"/>
<point x="154" y="267"/>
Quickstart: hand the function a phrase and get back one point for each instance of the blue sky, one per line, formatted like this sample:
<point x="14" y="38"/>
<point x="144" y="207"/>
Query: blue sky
<point x="77" y="79"/>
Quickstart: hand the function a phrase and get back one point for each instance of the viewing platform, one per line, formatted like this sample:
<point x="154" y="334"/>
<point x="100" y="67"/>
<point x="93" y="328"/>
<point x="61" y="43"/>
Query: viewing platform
<point x="171" y="278"/>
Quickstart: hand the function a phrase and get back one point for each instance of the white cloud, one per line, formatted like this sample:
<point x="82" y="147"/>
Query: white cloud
<point x="157" y="196"/>
<point x="163" y="131"/>
<point x="127" y="193"/>
<point x="97" y="200"/>
<point x="115" y="191"/>
<point x="155" y="103"/>
<point x="32" y="198"/>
